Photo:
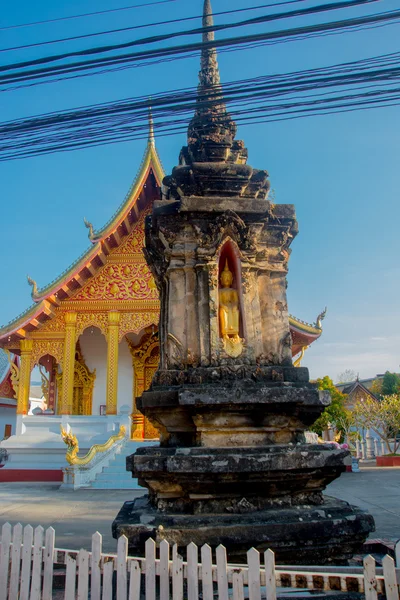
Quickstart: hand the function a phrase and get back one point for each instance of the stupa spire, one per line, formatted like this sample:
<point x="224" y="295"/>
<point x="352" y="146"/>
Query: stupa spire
<point x="209" y="73"/>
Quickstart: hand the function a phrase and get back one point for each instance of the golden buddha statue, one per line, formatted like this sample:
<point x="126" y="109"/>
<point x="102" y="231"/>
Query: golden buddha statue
<point x="229" y="314"/>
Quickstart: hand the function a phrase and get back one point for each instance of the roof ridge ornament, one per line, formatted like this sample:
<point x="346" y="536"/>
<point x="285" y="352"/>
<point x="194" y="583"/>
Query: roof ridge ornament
<point x="89" y="226"/>
<point x="34" y="286"/>
<point x="320" y="318"/>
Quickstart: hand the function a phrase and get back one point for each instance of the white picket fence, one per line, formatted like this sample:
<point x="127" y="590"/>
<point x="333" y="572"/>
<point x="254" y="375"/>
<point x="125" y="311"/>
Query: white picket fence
<point x="30" y="565"/>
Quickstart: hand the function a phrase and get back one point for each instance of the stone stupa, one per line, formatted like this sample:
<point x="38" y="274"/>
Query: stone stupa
<point x="232" y="466"/>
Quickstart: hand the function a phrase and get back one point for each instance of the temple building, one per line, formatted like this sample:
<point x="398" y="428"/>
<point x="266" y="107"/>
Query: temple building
<point x="93" y="335"/>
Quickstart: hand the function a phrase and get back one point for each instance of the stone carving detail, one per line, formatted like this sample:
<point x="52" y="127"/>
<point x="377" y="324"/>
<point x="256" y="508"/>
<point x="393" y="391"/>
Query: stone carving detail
<point x="212" y="275"/>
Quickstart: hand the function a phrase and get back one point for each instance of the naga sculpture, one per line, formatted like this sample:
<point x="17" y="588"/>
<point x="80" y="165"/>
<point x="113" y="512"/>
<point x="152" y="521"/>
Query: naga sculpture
<point x="72" y="444"/>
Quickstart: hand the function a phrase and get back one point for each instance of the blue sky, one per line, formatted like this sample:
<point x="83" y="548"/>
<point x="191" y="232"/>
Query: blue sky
<point x="341" y="172"/>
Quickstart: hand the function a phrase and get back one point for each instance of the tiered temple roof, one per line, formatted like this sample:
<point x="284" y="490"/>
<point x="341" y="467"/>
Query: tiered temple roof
<point x="111" y="236"/>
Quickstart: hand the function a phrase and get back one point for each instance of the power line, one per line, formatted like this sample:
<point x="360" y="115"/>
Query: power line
<point x="198" y="30"/>
<point x="187" y="48"/>
<point x="145" y="25"/>
<point x="247" y="46"/>
<point x="100" y="12"/>
<point x="362" y="84"/>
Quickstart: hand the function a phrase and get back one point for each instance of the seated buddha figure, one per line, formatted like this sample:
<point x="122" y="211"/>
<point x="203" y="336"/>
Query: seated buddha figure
<point x="229" y="314"/>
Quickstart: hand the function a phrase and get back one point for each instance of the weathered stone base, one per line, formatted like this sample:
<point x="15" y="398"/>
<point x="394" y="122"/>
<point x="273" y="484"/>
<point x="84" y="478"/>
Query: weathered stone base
<point x="329" y="533"/>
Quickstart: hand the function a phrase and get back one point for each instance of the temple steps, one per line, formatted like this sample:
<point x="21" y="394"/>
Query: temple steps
<point x="115" y="476"/>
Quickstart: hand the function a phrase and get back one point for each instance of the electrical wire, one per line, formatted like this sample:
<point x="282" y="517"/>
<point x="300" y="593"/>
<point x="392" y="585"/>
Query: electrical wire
<point x="187" y="48"/>
<point x="196" y="31"/>
<point x="145" y="25"/>
<point x="91" y="14"/>
<point x="357" y="85"/>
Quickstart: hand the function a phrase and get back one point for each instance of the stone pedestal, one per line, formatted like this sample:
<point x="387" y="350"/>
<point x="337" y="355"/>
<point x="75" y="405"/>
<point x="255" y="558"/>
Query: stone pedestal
<point x="235" y="469"/>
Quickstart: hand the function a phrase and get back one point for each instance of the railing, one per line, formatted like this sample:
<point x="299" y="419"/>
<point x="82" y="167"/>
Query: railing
<point x="84" y="470"/>
<point x="370" y="447"/>
<point x="30" y="569"/>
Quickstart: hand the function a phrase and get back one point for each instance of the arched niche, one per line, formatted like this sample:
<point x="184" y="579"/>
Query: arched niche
<point x="90" y="376"/>
<point x="49" y="367"/>
<point x="145" y="356"/>
<point x="230" y="252"/>
<point x="43" y="388"/>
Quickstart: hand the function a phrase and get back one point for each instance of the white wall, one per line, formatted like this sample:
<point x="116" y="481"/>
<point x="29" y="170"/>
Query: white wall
<point x="7" y="417"/>
<point x="94" y="350"/>
<point x="125" y="376"/>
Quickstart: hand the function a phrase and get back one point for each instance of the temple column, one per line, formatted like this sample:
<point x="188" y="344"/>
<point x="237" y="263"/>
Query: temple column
<point x="67" y="392"/>
<point x="112" y="362"/>
<point x="138" y="424"/>
<point x="24" y="377"/>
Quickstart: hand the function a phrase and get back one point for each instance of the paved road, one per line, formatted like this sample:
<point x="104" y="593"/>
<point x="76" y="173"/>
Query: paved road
<point x="376" y="490"/>
<point x="77" y="515"/>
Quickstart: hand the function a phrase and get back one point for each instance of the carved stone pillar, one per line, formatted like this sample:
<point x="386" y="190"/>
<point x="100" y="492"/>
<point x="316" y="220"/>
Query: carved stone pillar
<point x="112" y="362"/>
<point x="24" y="377"/>
<point x="67" y="391"/>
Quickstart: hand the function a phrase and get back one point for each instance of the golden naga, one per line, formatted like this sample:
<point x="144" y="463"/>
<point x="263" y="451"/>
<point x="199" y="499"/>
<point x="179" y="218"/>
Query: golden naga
<point x="229" y="314"/>
<point x="73" y="447"/>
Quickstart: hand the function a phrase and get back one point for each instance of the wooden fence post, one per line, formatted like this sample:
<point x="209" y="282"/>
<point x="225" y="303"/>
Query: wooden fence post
<point x="83" y="574"/>
<point x="206" y="573"/>
<point x="135" y="580"/>
<point x="177" y="574"/>
<point x="192" y="572"/>
<point x="15" y="562"/>
<point x="253" y="561"/>
<point x="389" y="573"/>
<point x="4" y="559"/>
<point x="48" y="559"/>
<point x="36" y="583"/>
<point x="70" y="578"/>
<point x="164" y="570"/>
<point x="150" y="554"/>
<point x="26" y="563"/>
<point x="108" y="573"/>
<point x="222" y="574"/>
<point x="122" y="580"/>
<point x="95" y="579"/>
<point x="270" y="579"/>
<point x="237" y="585"/>
<point x="370" y="587"/>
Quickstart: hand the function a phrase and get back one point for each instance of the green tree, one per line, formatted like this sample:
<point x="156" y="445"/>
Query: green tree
<point x="334" y="414"/>
<point x="390" y="384"/>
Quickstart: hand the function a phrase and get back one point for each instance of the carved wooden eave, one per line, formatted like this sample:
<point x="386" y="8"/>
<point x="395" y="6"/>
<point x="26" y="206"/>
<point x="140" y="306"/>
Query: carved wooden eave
<point x="103" y="242"/>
